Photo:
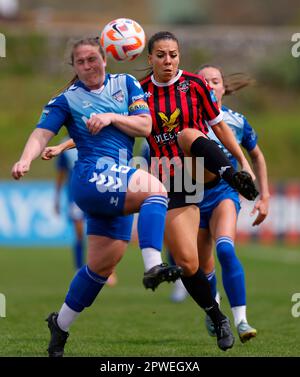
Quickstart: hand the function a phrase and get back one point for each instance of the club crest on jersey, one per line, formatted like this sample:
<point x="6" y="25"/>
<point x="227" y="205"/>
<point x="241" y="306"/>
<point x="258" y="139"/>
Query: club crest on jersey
<point x="119" y="96"/>
<point x="184" y="86"/>
<point x="86" y="104"/>
<point x="171" y="122"/>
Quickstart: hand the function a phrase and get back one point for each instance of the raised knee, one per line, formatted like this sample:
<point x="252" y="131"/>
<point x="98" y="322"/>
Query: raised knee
<point x="186" y="137"/>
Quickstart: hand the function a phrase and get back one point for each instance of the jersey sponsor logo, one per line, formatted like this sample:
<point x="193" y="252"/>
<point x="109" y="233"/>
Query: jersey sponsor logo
<point x="171" y="122"/>
<point x="183" y="86"/>
<point x="119" y="96"/>
<point x="166" y="137"/>
<point x="138" y="106"/>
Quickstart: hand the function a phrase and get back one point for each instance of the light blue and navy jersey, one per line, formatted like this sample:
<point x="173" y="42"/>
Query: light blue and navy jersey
<point x="66" y="162"/>
<point x="121" y="94"/>
<point x="243" y="132"/>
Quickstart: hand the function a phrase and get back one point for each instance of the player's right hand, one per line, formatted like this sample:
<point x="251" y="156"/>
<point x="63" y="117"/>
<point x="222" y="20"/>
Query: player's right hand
<point x="19" y="169"/>
<point x="50" y="152"/>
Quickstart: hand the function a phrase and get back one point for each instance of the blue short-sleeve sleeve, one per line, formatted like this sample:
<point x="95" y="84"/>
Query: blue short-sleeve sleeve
<point x="136" y="101"/>
<point x="249" y="140"/>
<point x="55" y="114"/>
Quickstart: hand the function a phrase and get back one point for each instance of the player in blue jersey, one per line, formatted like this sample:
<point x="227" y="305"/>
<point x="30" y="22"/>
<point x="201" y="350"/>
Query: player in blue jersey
<point x="64" y="166"/>
<point x="103" y="184"/>
<point x="220" y="207"/>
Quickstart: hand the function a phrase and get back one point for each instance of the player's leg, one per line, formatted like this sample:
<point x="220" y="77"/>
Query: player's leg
<point x="148" y="196"/>
<point x="102" y="256"/>
<point x="207" y="263"/>
<point x="181" y="239"/>
<point x="223" y="228"/>
<point x="179" y="293"/>
<point x="195" y="143"/>
<point x="77" y="217"/>
<point x="78" y="247"/>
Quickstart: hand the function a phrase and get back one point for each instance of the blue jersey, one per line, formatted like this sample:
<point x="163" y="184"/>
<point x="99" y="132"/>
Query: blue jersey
<point x="243" y="132"/>
<point x="101" y="174"/>
<point x="245" y="136"/>
<point x="121" y="94"/>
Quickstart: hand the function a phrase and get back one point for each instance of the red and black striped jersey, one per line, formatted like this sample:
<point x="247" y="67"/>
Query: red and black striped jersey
<point x="186" y="101"/>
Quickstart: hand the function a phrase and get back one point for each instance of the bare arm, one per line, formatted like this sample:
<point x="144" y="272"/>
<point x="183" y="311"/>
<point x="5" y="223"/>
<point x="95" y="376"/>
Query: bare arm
<point x="33" y="148"/>
<point x="134" y="125"/>
<point x="226" y="136"/>
<point x="260" y="169"/>
<point x="55" y="150"/>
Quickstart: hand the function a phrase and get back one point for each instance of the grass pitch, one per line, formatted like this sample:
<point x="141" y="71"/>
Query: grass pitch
<point x="127" y="320"/>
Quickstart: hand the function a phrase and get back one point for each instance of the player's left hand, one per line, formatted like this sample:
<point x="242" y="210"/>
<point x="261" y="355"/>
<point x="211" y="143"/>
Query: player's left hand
<point x="98" y="121"/>
<point x="262" y="207"/>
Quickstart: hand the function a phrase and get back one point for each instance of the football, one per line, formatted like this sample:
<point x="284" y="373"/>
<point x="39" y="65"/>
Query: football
<point x="123" y="39"/>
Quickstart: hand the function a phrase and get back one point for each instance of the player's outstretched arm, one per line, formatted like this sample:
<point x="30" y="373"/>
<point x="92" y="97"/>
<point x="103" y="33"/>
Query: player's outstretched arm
<point x="260" y="169"/>
<point x="55" y="150"/>
<point x="33" y="148"/>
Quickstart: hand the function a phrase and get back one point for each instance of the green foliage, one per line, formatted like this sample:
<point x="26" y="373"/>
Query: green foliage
<point x="24" y="55"/>
<point x="281" y="71"/>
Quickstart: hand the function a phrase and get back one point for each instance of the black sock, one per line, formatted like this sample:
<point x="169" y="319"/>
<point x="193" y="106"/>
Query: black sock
<point x="198" y="287"/>
<point x="215" y="159"/>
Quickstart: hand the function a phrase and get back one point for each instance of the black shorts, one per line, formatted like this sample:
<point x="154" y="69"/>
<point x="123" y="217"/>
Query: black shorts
<point x="184" y="198"/>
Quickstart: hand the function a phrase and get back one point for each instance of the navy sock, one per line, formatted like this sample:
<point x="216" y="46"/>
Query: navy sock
<point x="151" y="222"/>
<point x="198" y="287"/>
<point x="232" y="272"/>
<point x="84" y="288"/>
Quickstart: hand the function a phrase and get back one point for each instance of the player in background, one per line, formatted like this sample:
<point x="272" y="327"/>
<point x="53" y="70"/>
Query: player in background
<point x="221" y="204"/>
<point x="64" y="166"/>
<point x="103" y="114"/>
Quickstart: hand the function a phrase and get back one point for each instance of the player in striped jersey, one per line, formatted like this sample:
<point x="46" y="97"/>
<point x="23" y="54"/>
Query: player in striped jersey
<point x="180" y="101"/>
<point x="220" y="207"/>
